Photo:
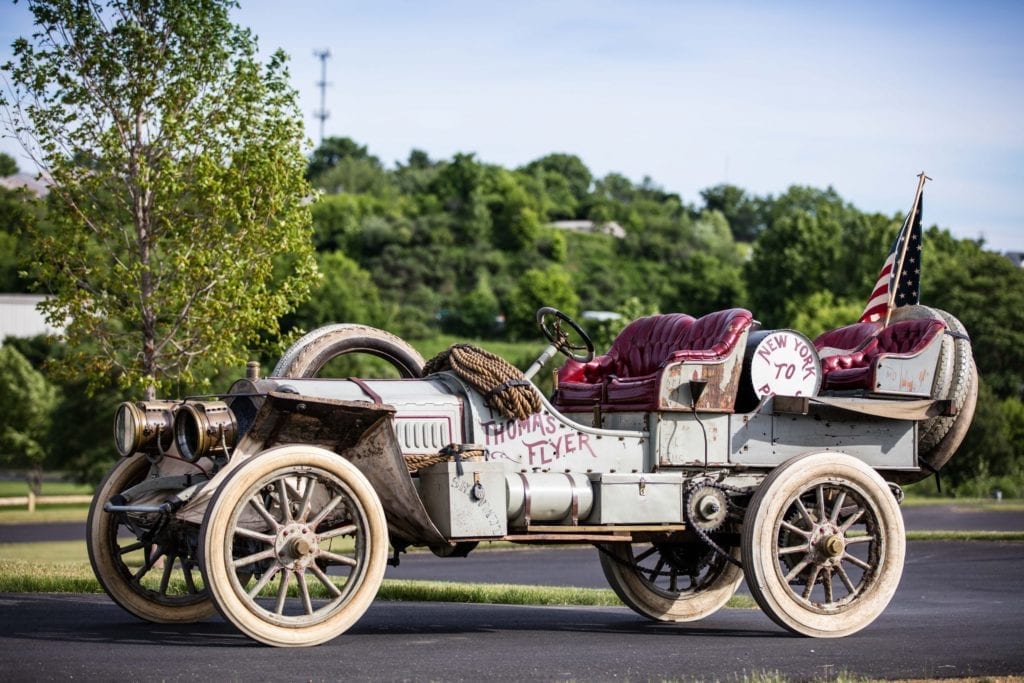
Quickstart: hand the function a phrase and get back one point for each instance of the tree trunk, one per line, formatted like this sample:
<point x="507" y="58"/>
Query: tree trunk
<point x="34" y="478"/>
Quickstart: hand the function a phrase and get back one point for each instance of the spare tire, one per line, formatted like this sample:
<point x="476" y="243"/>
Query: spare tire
<point x="956" y="380"/>
<point x="307" y="356"/>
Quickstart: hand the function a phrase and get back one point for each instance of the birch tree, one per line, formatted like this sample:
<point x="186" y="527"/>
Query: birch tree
<point x="179" y="227"/>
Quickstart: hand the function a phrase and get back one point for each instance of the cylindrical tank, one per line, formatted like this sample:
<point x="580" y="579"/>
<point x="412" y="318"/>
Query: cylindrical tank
<point x="548" y="497"/>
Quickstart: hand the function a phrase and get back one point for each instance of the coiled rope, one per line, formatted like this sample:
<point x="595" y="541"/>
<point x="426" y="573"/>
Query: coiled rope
<point x="502" y="384"/>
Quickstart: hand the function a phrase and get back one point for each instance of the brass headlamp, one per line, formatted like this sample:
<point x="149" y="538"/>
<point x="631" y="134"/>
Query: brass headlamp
<point x="144" y="426"/>
<point x="202" y="428"/>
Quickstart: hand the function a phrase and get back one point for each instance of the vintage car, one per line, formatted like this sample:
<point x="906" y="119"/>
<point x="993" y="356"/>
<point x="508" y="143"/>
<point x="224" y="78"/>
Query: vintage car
<point x="694" y="453"/>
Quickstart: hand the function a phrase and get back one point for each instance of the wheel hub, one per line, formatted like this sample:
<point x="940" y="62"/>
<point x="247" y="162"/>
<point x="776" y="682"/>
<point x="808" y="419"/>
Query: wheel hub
<point x="833" y="546"/>
<point x="296" y="546"/>
<point x="829" y="544"/>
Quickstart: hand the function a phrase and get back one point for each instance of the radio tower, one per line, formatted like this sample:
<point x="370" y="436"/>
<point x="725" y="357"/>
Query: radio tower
<point x="322" y="113"/>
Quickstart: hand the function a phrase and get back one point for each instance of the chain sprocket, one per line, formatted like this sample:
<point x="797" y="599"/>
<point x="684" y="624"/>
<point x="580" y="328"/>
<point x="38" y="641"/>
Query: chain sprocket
<point x="707" y="506"/>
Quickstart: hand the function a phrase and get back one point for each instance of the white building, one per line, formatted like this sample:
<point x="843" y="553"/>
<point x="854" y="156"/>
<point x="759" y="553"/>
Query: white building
<point x="610" y="228"/>
<point x="19" y="317"/>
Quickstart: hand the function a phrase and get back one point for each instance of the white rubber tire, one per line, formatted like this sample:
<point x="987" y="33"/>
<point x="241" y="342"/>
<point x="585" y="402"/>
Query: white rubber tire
<point x="234" y="532"/>
<point x="640" y="592"/>
<point x="956" y="380"/>
<point x="137" y="591"/>
<point x="307" y="356"/>
<point x="792" y="505"/>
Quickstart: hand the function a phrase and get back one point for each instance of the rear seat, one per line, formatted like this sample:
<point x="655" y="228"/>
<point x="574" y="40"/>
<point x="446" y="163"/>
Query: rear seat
<point x="844" y="347"/>
<point x="907" y="350"/>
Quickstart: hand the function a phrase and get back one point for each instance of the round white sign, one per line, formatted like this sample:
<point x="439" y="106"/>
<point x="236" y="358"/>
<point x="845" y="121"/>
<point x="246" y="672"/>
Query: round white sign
<point x="785" y="363"/>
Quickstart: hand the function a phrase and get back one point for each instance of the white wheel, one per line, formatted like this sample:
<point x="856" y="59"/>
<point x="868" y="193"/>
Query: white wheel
<point x="670" y="581"/>
<point x="823" y="545"/>
<point x="145" y="566"/>
<point x="308" y="356"/>
<point x="308" y="526"/>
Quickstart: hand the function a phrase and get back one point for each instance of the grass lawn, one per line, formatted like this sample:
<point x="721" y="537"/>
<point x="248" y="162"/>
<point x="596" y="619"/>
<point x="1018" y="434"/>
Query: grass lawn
<point x="50" y="488"/>
<point x="48" y="552"/>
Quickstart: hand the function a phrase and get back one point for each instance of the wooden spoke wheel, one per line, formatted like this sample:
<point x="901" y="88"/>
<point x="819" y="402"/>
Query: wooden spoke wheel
<point x="145" y="564"/>
<point x="823" y="545"/>
<point x="308" y="527"/>
<point x="670" y="581"/>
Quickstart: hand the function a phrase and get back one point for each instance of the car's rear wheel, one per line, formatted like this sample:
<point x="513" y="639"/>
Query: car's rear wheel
<point x="670" y="581"/>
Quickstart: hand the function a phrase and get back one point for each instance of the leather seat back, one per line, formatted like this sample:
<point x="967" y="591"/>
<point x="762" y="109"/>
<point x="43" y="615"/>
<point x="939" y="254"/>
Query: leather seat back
<point x="714" y="335"/>
<point x="638" y="350"/>
<point x="909" y="336"/>
<point x="647" y="342"/>
<point x="902" y="339"/>
<point x="849" y="337"/>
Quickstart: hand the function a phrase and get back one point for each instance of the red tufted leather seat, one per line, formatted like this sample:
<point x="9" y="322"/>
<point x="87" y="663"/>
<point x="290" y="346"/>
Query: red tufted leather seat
<point x="903" y="339"/>
<point x="628" y="377"/>
<point x="639" y="350"/>
<point x="714" y="336"/>
<point x="844" y="347"/>
<point x="849" y="337"/>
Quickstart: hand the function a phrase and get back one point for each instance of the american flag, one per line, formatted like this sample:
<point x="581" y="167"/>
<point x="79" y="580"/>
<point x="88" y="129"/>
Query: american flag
<point x="908" y="289"/>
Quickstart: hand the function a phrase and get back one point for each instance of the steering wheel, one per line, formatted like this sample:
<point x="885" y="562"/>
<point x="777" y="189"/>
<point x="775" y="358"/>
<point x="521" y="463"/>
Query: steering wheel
<point x="550" y="321"/>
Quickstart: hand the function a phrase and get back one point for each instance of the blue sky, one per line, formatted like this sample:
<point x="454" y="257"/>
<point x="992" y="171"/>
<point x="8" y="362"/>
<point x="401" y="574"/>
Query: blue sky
<point x="860" y="96"/>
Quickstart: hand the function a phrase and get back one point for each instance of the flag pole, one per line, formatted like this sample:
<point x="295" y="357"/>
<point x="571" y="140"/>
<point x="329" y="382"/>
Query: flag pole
<point x="921" y="179"/>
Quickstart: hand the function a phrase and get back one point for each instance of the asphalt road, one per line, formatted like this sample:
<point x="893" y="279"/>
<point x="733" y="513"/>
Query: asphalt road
<point x="958" y="612"/>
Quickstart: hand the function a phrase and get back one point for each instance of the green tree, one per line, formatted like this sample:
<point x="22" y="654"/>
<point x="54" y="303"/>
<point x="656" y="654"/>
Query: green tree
<point x="713" y="236"/>
<point x="552" y="194"/>
<point x="163" y="246"/>
<point x="459" y="187"/>
<point x="355" y="176"/>
<point x="342" y="165"/>
<point x="553" y="245"/>
<point x="416" y="175"/>
<point x="747" y="215"/>
<point x="18" y="212"/>
<point x="333" y="150"/>
<point x="568" y="166"/>
<point x="821" y="311"/>
<point x="615" y="187"/>
<point x="8" y="166"/>
<point x="988" y="452"/>
<point x="339" y="221"/>
<point x="476" y="312"/>
<point x="986" y="292"/>
<point x="79" y="441"/>
<point x="26" y="407"/>
<point x="603" y="275"/>
<point x="537" y="288"/>
<point x="702" y="285"/>
<point x="345" y="294"/>
<point x="564" y="181"/>
<point x="799" y="253"/>
<point x="514" y="215"/>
